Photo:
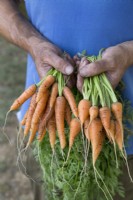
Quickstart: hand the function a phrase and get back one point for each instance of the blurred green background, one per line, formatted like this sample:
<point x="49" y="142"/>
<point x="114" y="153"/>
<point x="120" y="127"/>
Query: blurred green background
<point x="12" y="75"/>
<point x="13" y="184"/>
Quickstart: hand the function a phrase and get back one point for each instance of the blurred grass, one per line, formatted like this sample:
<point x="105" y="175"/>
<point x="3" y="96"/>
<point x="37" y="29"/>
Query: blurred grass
<point x="12" y="75"/>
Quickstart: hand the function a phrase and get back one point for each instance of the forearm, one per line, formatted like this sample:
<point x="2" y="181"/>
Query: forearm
<point x="15" y="28"/>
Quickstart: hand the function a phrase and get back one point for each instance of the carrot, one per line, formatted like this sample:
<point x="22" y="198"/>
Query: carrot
<point x="68" y="114"/>
<point x="111" y="137"/>
<point x="38" y="112"/>
<point x="71" y="100"/>
<point x="32" y="135"/>
<point x="44" y="86"/>
<point x="74" y="130"/>
<point x="94" y="111"/>
<point x="24" y="118"/>
<point x="117" y="111"/>
<point x="119" y="136"/>
<point x="23" y="97"/>
<point x="60" y="105"/>
<point x="51" y="126"/>
<point x="105" y="115"/>
<point x="40" y="107"/>
<point x="45" y="117"/>
<point x="83" y="110"/>
<point x="54" y="93"/>
<point x="97" y="137"/>
<point x="86" y="128"/>
<point x="111" y="132"/>
<point x="41" y="136"/>
<point x="30" y="114"/>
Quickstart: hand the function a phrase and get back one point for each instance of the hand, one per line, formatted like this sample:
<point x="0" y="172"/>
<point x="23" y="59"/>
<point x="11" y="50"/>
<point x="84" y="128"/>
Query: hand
<point x="115" y="60"/>
<point x="47" y="55"/>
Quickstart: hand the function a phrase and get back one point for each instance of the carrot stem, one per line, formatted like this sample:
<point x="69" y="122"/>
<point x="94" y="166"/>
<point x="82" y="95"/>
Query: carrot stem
<point x="107" y="83"/>
<point x="85" y="89"/>
<point x="50" y="72"/>
<point x="61" y="83"/>
<point x="97" y="83"/>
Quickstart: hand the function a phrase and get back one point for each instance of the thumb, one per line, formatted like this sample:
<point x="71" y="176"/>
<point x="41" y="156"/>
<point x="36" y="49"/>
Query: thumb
<point x="94" y="68"/>
<point x="60" y="64"/>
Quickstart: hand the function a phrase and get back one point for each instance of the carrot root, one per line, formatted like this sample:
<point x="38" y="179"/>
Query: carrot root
<point x="4" y="126"/>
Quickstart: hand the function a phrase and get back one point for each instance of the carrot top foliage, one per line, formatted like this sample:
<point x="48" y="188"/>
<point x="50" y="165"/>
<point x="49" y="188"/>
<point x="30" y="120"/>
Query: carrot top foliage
<point x="64" y="182"/>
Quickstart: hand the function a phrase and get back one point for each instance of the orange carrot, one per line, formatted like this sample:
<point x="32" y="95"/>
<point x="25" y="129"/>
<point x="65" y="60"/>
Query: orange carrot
<point x="40" y="107"/>
<point x="71" y="100"/>
<point x="32" y="135"/>
<point x="117" y="111"/>
<point x="44" y="86"/>
<point x="94" y="111"/>
<point x="51" y="126"/>
<point x="54" y="93"/>
<point x="60" y="105"/>
<point x="111" y="133"/>
<point x="74" y="130"/>
<point x="23" y="97"/>
<point x="39" y="111"/>
<point x="105" y="115"/>
<point x="119" y="135"/>
<point x="68" y="114"/>
<point x="86" y="128"/>
<point x="24" y="118"/>
<point x="111" y="136"/>
<point x="30" y="114"/>
<point x="41" y="136"/>
<point x="83" y="110"/>
<point x="97" y="137"/>
<point x="45" y="117"/>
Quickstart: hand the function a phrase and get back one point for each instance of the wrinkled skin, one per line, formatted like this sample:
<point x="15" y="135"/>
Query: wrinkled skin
<point x="115" y="61"/>
<point x="18" y="30"/>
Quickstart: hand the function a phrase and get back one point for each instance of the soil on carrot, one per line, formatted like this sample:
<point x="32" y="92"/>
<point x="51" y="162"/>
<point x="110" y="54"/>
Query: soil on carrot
<point x="13" y="184"/>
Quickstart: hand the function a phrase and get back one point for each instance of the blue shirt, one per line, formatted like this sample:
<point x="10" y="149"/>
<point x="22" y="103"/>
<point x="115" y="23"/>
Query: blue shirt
<point x="75" y="25"/>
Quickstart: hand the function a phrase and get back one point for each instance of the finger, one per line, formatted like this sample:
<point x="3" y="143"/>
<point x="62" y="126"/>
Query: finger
<point x="59" y="63"/>
<point x="83" y="62"/>
<point x="69" y="59"/>
<point x="43" y="69"/>
<point x="109" y="77"/>
<point x="114" y="78"/>
<point x="80" y="81"/>
<point x="77" y="64"/>
<point x="94" y="68"/>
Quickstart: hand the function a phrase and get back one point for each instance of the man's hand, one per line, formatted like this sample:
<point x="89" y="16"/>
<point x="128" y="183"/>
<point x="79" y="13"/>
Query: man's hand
<point x="18" y="30"/>
<point x="115" y="60"/>
<point x="47" y="55"/>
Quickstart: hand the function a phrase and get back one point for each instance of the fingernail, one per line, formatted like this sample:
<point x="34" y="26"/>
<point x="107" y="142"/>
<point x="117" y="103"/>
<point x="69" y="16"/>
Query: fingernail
<point x="69" y="70"/>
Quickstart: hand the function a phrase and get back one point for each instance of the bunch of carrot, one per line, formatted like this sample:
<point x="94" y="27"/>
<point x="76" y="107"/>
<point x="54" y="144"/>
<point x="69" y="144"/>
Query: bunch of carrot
<point x="54" y="108"/>
<point x="52" y="103"/>
<point x="100" y="113"/>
